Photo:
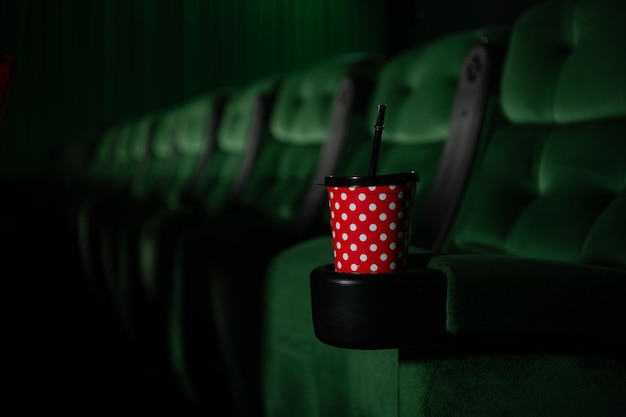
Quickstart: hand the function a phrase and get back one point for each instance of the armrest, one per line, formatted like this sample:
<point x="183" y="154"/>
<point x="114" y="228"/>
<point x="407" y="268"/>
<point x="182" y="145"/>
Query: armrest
<point x="478" y="302"/>
<point x="533" y="300"/>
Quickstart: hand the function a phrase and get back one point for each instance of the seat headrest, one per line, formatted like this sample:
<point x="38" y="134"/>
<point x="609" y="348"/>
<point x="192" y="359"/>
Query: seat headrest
<point x="572" y="71"/>
<point x="194" y="124"/>
<point x="304" y="104"/>
<point x="420" y="85"/>
<point x="161" y="144"/>
<point x="141" y="132"/>
<point x="235" y="124"/>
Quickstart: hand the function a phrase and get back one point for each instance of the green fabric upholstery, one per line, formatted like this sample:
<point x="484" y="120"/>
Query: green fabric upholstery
<point x="300" y="124"/>
<point x="511" y="384"/>
<point x="537" y="255"/>
<point x="120" y="154"/>
<point x="160" y="153"/>
<point x="555" y="302"/>
<point x="182" y="140"/>
<point x="130" y="150"/>
<point x="303" y="110"/>
<point x="223" y="255"/>
<point x="193" y="143"/>
<point x="242" y="126"/>
<point x="573" y="64"/>
<point x="301" y="375"/>
<point x="550" y="192"/>
<point x="181" y="146"/>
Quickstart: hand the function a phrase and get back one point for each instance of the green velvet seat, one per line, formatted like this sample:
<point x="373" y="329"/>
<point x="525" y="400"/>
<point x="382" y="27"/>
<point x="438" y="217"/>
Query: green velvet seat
<point x="144" y="276"/>
<point x="317" y="117"/>
<point x="182" y="140"/>
<point x="534" y="263"/>
<point x="538" y="252"/>
<point x="300" y="375"/>
<point x="109" y="173"/>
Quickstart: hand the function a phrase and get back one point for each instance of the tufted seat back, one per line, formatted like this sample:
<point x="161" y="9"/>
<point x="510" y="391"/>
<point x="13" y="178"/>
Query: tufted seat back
<point x="159" y="155"/>
<point x="193" y="143"/>
<point x="535" y="265"/>
<point x="552" y="182"/>
<point x="419" y="86"/>
<point x="311" y="121"/>
<point x="241" y="130"/>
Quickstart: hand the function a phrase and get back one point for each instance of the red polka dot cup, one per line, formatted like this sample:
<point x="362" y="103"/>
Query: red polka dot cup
<point x="370" y="221"/>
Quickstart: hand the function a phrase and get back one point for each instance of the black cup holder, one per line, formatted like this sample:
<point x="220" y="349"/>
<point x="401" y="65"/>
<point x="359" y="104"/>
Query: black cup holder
<point x="379" y="311"/>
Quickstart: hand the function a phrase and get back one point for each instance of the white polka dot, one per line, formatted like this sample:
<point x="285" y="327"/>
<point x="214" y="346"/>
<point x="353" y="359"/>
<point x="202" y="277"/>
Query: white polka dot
<point x="344" y="196"/>
<point x="372" y="187"/>
<point x="334" y="253"/>
<point x="354" y="267"/>
<point x="352" y="206"/>
<point x="392" y="226"/>
<point x="337" y="225"/>
<point x="383" y="216"/>
<point x="345" y="256"/>
<point x="392" y="205"/>
<point x="333" y="233"/>
<point x="351" y="188"/>
<point x="383" y="256"/>
<point x="382" y="196"/>
<point x="344" y="216"/>
<point x="337" y="205"/>
<point x="383" y="236"/>
<point x="353" y="247"/>
<point x="401" y="194"/>
<point x="332" y="195"/>
<point x="373" y="267"/>
<point x="373" y="227"/>
<point x="363" y="237"/>
<point x="392" y="187"/>
<point x="339" y="265"/>
<point x="335" y="188"/>
<point x="361" y="196"/>
<point x="332" y="214"/>
<point x="392" y="265"/>
<point x="353" y="227"/>
<point x="363" y="257"/>
<point x="372" y="207"/>
<point x="392" y="245"/>
<point x="338" y="245"/>
<point x="401" y="214"/>
<point x="373" y="247"/>
<point x="344" y="236"/>
<point x="362" y="217"/>
<point x="329" y="203"/>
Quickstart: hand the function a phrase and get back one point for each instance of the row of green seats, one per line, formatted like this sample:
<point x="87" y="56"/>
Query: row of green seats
<point x="219" y="271"/>
<point x="533" y="265"/>
<point x="253" y="152"/>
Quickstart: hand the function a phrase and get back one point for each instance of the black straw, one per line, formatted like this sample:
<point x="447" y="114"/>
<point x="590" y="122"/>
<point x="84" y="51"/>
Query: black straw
<point x="378" y="132"/>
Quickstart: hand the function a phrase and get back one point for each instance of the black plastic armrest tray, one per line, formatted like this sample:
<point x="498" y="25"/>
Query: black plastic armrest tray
<point x="408" y="310"/>
<point x="378" y="311"/>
